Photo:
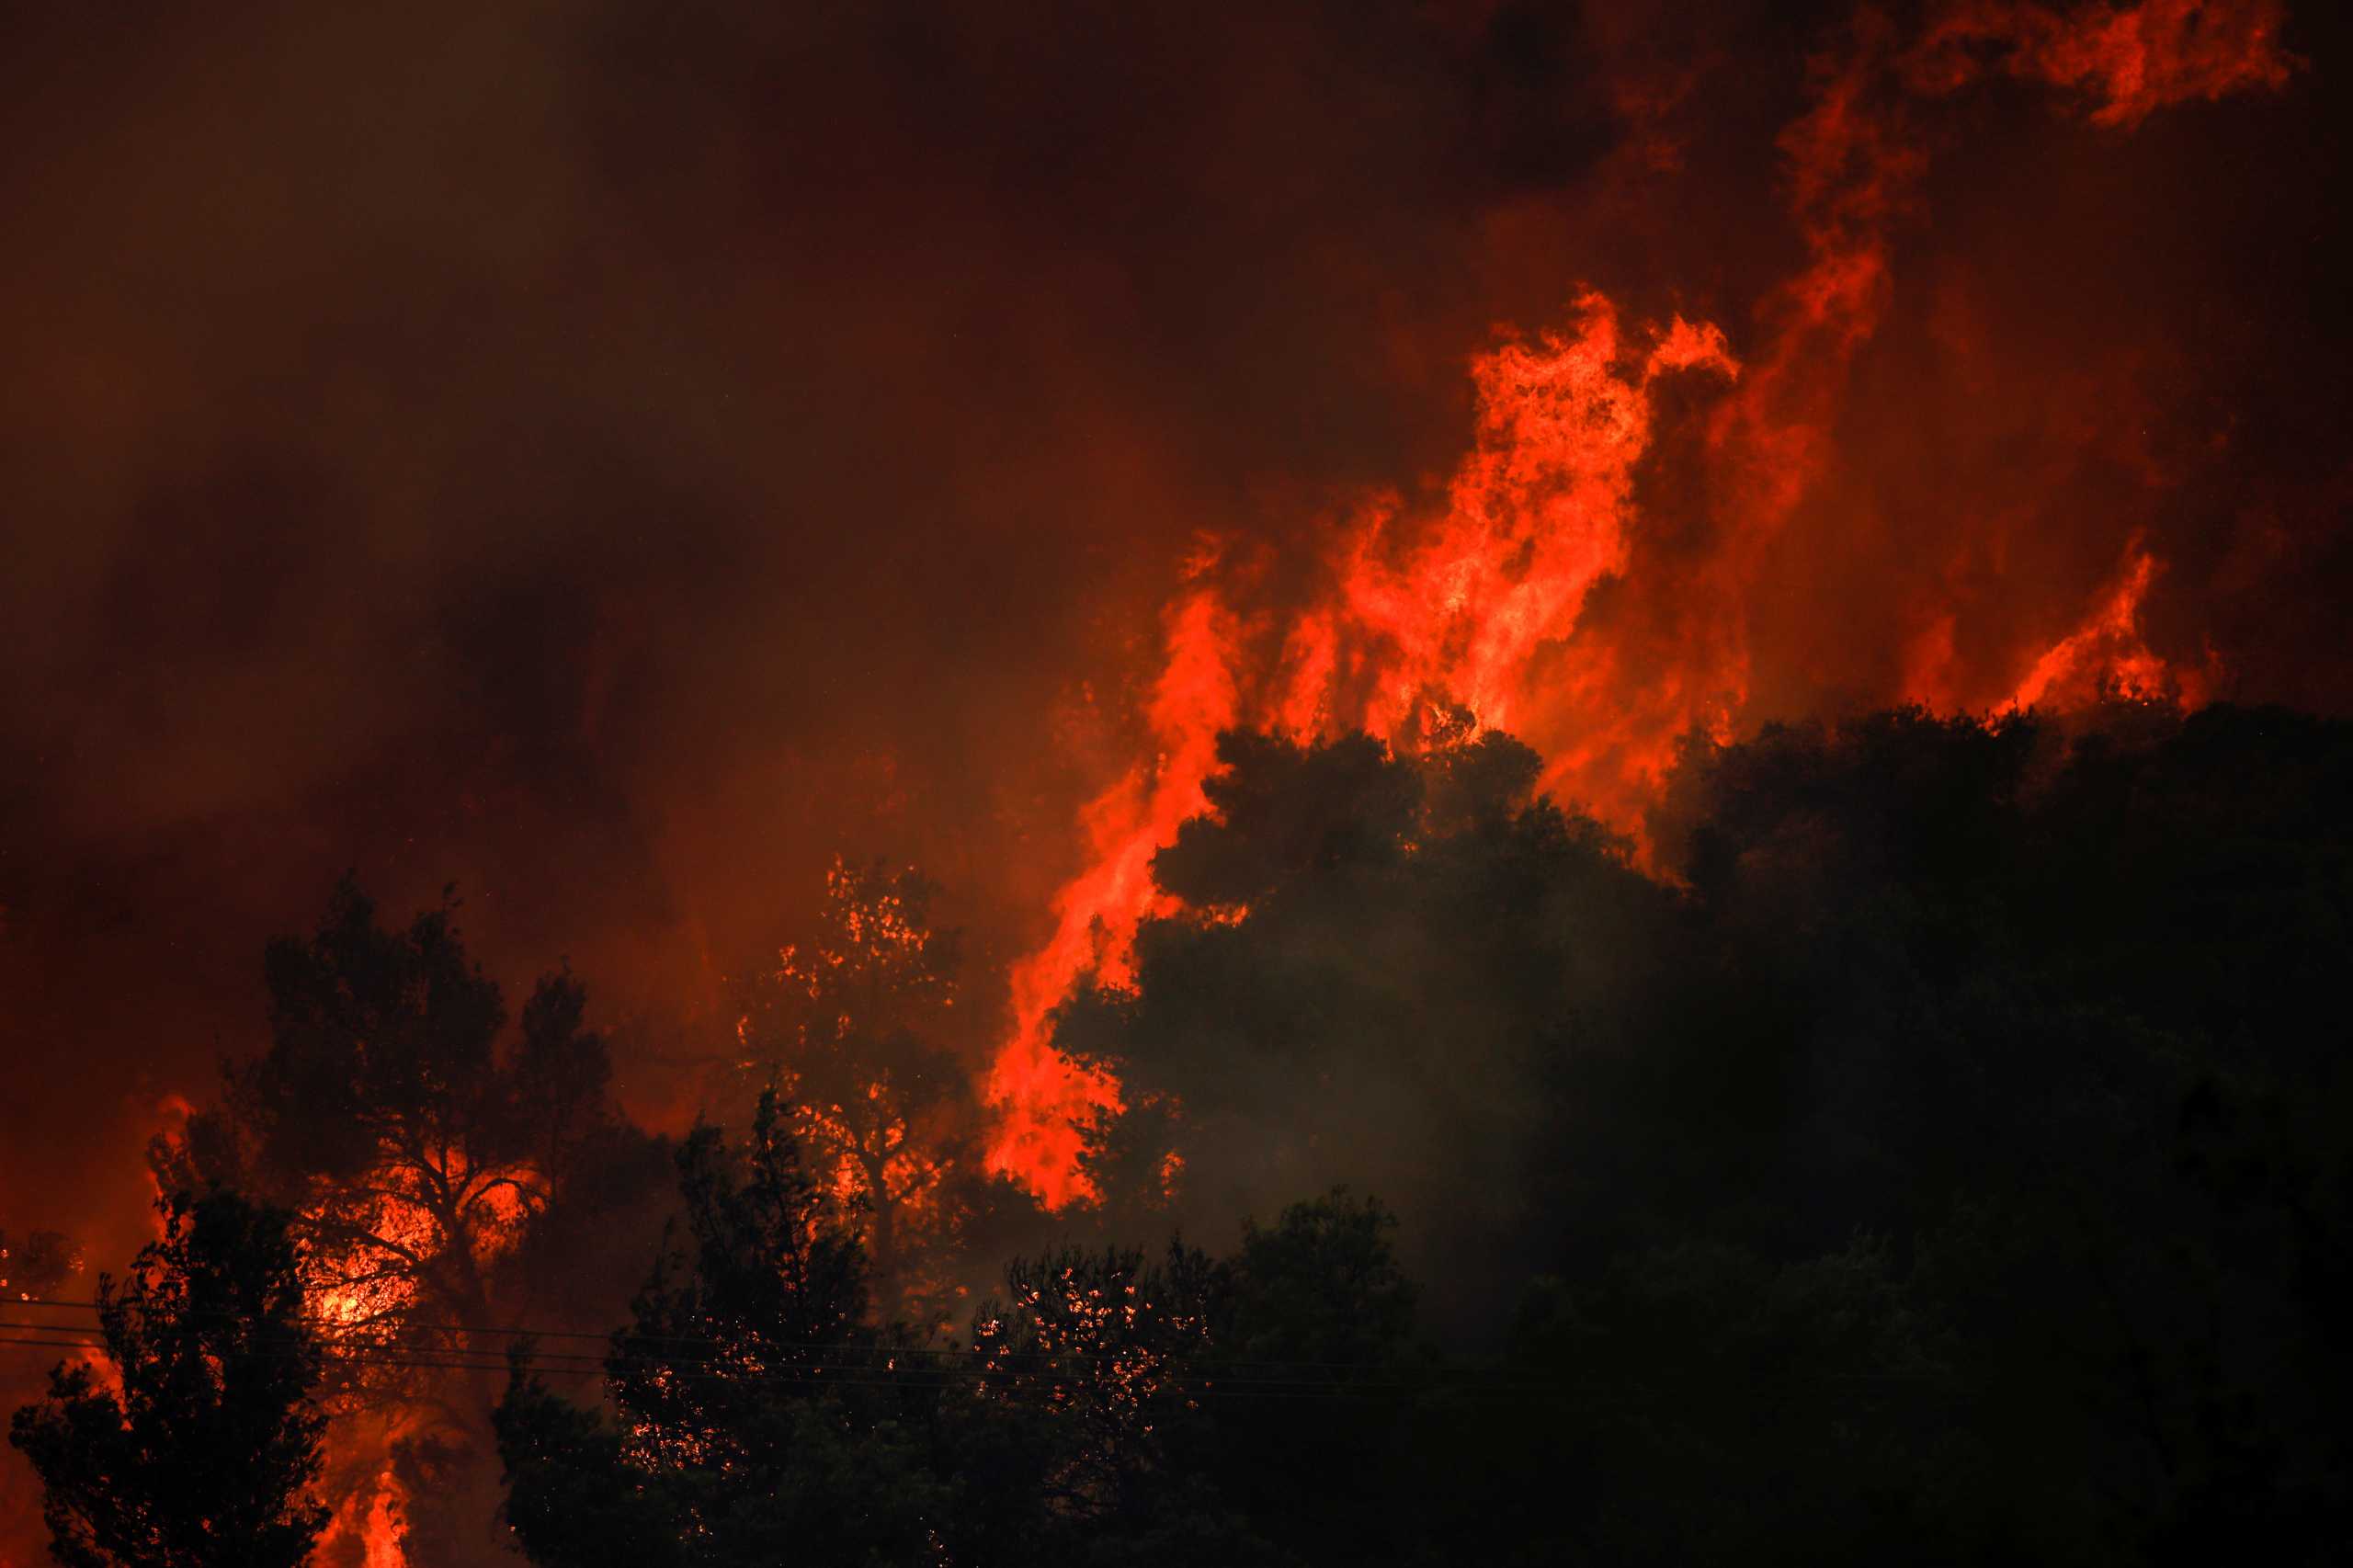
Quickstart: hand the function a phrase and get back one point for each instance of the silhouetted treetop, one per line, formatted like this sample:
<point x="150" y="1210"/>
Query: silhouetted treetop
<point x="851" y="1023"/>
<point x="200" y="1448"/>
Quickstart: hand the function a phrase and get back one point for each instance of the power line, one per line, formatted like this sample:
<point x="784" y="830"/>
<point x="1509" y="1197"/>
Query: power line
<point x="628" y="1335"/>
<point x="977" y="1366"/>
<point x="924" y="1368"/>
<point x="947" y="1367"/>
<point x="1454" y="1378"/>
<point x="1505" y="1387"/>
<point x="931" y="1378"/>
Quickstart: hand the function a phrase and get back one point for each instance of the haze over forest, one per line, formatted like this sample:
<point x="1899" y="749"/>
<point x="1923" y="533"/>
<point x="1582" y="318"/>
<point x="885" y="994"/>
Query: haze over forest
<point x="1630" y="702"/>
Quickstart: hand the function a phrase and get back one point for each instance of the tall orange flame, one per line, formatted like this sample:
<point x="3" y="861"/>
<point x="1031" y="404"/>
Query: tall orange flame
<point x="368" y="1527"/>
<point x="1478" y="603"/>
<point x="1454" y="609"/>
<point x="1042" y="1095"/>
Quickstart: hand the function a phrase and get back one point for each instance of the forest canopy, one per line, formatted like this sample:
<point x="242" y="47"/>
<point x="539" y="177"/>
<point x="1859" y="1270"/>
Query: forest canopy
<point x="1925" y="1143"/>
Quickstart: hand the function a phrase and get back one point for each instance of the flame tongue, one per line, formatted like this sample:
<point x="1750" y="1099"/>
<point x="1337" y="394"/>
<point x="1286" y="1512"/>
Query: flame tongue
<point x="1536" y="516"/>
<point x="1479" y="602"/>
<point x="1040" y="1093"/>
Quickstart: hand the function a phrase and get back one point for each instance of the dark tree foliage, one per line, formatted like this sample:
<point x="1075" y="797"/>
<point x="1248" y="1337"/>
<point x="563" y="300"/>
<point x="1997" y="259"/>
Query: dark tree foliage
<point x="759" y="1417"/>
<point x="852" y="1024"/>
<point x="1098" y="1352"/>
<point x="756" y="1422"/>
<point x="415" y="1139"/>
<point x="200" y="1449"/>
<point x="1315" y="1348"/>
<point x="1380" y="957"/>
<point x="1940" y="1154"/>
<point x="2057" y="1012"/>
<point x="447" y="1168"/>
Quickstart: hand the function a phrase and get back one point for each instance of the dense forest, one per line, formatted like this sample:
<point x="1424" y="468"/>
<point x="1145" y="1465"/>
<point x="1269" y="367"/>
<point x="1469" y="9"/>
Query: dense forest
<point x="1056" y="785"/>
<point x="1926" y="1143"/>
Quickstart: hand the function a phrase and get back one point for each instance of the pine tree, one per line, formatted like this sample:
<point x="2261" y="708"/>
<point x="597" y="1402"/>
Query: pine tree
<point x="198" y="1447"/>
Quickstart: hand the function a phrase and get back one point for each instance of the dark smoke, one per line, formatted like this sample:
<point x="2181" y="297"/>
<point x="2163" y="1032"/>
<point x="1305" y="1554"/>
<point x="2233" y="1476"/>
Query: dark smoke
<point x="615" y="457"/>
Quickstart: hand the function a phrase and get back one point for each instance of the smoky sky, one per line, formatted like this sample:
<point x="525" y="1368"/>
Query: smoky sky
<point x="614" y="457"/>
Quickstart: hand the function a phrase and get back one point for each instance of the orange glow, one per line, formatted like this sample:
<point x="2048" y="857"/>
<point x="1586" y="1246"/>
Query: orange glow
<point x="1448" y="608"/>
<point x="382" y="1532"/>
<point x="2105" y="654"/>
<point x="357" y="1286"/>
<point x="1475" y="602"/>
<point x="2132" y="60"/>
<point x="1039" y="1094"/>
<point x="369" y="1524"/>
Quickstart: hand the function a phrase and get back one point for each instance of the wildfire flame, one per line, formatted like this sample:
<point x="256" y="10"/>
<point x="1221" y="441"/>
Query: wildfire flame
<point x="368" y="1527"/>
<point x="1476" y="604"/>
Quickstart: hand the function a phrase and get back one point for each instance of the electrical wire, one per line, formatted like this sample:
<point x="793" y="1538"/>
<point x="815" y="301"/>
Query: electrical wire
<point x="627" y="1336"/>
<point x="1504" y="1386"/>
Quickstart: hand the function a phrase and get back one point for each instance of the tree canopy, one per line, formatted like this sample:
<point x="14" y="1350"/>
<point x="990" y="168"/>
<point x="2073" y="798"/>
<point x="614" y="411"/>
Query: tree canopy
<point x="852" y="1024"/>
<point x="1926" y="1144"/>
<point x="1939" y="1133"/>
<point x="451" y="1170"/>
<point x="753" y="1417"/>
<point x="195" y="1443"/>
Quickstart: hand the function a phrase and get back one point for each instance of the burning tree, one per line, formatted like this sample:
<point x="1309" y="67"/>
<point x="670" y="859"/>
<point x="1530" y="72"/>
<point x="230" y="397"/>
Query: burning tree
<point x="1102" y="1345"/>
<point x="432" y="1157"/>
<point x="198" y="1447"/>
<point x="762" y="1418"/>
<point x="757" y="1424"/>
<point x="849" y="1026"/>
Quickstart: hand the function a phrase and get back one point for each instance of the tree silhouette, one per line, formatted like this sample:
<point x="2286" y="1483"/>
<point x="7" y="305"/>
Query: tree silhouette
<point x="1377" y="961"/>
<point x="756" y="1423"/>
<point x="849" y="1024"/>
<point x="1941" y="1140"/>
<point x="198" y="1447"/>
<point x="1317" y="1301"/>
<point x="447" y="1174"/>
<point x="1105" y="1346"/>
<point x="1930" y="1147"/>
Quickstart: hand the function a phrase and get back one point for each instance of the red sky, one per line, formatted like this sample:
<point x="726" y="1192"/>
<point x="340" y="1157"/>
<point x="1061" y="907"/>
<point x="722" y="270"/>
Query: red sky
<point x="614" y="457"/>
